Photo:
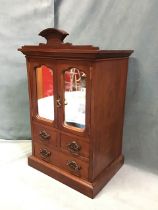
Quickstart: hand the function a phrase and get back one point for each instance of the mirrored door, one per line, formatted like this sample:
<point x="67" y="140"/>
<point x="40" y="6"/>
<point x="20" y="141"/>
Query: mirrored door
<point x="45" y="92"/>
<point x="75" y="98"/>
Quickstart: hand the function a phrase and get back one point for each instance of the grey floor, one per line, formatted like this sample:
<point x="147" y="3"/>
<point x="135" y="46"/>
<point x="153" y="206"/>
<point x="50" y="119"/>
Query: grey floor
<point x="24" y="188"/>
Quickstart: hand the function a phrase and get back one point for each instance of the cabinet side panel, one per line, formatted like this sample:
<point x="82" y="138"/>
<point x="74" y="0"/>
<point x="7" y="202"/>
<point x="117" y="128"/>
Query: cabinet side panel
<point x="30" y="84"/>
<point x="107" y="111"/>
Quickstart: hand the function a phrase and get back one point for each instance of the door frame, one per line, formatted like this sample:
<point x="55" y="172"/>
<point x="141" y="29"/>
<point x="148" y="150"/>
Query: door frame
<point x="34" y="63"/>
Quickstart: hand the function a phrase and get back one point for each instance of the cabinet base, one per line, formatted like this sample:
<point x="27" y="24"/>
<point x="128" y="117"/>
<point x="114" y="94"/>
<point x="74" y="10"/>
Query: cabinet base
<point x="89" y="189"/>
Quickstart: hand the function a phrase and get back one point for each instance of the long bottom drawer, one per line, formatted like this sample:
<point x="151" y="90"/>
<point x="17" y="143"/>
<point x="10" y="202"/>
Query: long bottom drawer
<point x="64" y="161"/>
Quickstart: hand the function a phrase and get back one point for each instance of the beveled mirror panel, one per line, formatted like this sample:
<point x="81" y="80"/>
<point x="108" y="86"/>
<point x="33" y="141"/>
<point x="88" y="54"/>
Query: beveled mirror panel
<point x="45" y="92"/>
<point x="75" y="97"/>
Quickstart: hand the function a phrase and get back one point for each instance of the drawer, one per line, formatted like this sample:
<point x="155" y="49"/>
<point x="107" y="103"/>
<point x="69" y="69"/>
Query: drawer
<point x="68" y="163"/>
<point x="44" y="134"/>
<point x="74" y="146"/>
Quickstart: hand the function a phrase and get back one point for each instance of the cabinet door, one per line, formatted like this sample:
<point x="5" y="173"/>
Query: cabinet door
<point x="74" y="96"/>
<point x="43" y="89"/>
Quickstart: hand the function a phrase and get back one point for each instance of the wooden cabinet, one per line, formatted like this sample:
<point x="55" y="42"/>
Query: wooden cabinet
<point x="77" y="97"/>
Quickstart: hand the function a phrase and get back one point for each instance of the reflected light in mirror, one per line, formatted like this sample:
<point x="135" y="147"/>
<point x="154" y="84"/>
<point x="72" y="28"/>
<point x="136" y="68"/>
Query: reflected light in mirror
<point x="75" y="97"/>
<point x="45" y="92"/>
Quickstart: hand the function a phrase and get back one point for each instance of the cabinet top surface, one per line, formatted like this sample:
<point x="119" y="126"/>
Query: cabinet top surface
<point x="55" y="47"/>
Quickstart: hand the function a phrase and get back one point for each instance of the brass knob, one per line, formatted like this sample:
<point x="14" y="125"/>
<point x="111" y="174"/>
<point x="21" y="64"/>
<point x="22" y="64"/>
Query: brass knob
<point x="58" y="101"/>
<point x="44" y="135"/>
<point x="44" y="153"/>
<point x="73" y="147"/>
<point x="73" y="166"/>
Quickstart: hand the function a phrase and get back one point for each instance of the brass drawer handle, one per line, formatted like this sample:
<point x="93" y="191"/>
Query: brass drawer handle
<point x="44" y="135"/>
<point x="73" y="147"/>
<point x="44" y="153"/>
<point x="73" y="165"/>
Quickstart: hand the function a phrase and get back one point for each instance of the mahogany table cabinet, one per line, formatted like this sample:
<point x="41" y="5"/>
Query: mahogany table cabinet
<point x="77" y="97"/>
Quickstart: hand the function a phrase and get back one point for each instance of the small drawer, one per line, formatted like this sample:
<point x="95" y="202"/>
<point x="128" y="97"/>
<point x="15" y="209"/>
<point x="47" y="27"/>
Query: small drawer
<point x="75" y="146"/>
<point x="43" y="134"/>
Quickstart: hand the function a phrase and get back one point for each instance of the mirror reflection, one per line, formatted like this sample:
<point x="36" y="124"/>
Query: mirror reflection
<point x="75" y="97"/>
<point x="45" y="92"/>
